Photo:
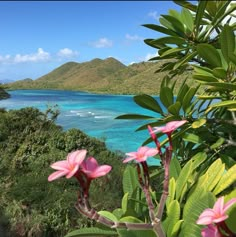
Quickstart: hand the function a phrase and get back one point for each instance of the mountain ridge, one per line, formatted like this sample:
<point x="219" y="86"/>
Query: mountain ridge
<point x="99" y="76"/>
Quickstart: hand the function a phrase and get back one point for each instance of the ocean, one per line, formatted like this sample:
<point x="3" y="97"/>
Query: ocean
<point x="91" y="113"/>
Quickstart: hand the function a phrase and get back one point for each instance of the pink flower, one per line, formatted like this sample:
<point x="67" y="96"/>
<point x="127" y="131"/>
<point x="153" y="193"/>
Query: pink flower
<point x="69" y="166"/>
<point x="170" y="127"/>
<point x="141" y="155"/>
<point x="217" y="213"/>
<point x="92" y="170"/>
<point x="210" y="231"/>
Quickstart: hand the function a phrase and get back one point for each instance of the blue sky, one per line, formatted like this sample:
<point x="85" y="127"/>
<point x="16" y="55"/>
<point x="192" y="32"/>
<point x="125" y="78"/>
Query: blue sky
<point x="38" y="36"/>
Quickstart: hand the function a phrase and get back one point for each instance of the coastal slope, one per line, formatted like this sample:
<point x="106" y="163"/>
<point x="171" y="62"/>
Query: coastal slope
<point x="108" y="76"/>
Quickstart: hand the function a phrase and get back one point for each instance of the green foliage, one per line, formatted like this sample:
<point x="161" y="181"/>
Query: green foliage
<point x="29" y="142"/>
<point x="204" y="148"/>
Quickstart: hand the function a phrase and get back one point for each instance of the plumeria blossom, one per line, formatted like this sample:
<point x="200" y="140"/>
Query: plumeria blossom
<point x="68" y="167"/>
<point x="92" y="170"/>
<point x="141" y="155"/>
<point x="217" y="213"/>
<point x="169" y="127"/>
<point x="210" y="231"/>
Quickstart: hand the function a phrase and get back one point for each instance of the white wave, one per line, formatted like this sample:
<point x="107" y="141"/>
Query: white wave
<point x="101" y="116"/>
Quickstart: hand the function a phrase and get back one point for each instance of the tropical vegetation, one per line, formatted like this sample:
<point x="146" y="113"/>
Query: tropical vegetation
<point x="190" y="194"/>
<point x="30" y="206"/>
<point x="197" y="155"/>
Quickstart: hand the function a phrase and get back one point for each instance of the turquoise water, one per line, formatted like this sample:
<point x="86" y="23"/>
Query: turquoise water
<point x="93" y="114"/>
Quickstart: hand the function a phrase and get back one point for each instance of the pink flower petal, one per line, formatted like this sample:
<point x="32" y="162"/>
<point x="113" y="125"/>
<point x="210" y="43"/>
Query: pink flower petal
<point x="210" y="231"/>
<point x="128" y="159"/>
<point x="56" y="175"/>
<point x="131" y="154"/>
<point x="229" y="204"/>
<point x="60" y="165"/>
<point x="73" y="171"/>
<point x="151" y="152"/>
<point x="219" y="219"/>
<point x="101" y="171"/>
<point x="206" y="217"/>
<point x="142" y="158"/>
<point x="169" y="127"/>
<point x="142" y="150"/>
<point x="158" y="129"/>
<point x="90" y="164"/>
<point x="219" y="205"/>
<point x="173" y="125"/>
<point x="76" y="157"/>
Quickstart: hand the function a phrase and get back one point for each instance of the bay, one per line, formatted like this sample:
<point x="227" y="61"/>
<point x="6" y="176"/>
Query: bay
<point x="91" y="113"/>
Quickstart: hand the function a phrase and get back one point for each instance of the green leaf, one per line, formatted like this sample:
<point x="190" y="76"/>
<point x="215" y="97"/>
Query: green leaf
<point x="198" y="159"/>
<point x="176" y="228"/>
<point x="190" y="137"/>
<point x="183" y="178"/>
<point x="187" y="19"/>
<point x="227" y="35"/>
<point x="199" y="15"/>
<point x="173" y="215"/>
<point x="209" y="54"/>
<point x="92" y="231"/>
<point x="214" y="174"/>
<point x="182" y="92"/>
<point x="230" y="222"/>
<point x="204" y="78"/>
<point x="218" y="143"/>
<point x="187" y="100"/>
<point x="124" y="202"/>
<point x="225" y="103"/>
<point x="202" y="70"/>
<point x="223" y="85"/>
<point x="130" y="180"/>
<point x="130" y="219"/>
<point x="172" y="189"/>
<point x="148" y="102"/>
<point x="160" y="29"/>
<point x="175" y="108"/>
<point x="118" y="213"/>
<point x="208" y="97"/>
<point x="166" y="96"/>
<point x="175" y="168"/>
<point x="175" y="24"/>
<point x="232" y="58"/>
<point x="220" y="72"/>
<point x="186" y="4"/>
<point x="198" y="123"/>
<point x="169" y="40"/>
<point x="133" y="116"/>
<point x="135" y="233"/>
<point x="108" y="215"/>
<point x="196" y="203"/>
<point x="185" y="59"/>
<point x="172" y="51"/>
<point x="228" y="178"/>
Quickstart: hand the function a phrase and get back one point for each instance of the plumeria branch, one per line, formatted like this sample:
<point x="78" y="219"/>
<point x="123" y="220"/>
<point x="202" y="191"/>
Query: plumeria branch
<point x="84" y="208"/>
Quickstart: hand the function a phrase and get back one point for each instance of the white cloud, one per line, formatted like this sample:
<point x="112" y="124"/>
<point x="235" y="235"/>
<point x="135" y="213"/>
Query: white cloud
<point x="153" y="15"/>
<point x="102" y="43"/>
<point x="67" y="53"/>
<point x="5" y="59"/>
<point x="40" y="56"/>
<point x="133" y="37"/>
<point x="150" y="55"/>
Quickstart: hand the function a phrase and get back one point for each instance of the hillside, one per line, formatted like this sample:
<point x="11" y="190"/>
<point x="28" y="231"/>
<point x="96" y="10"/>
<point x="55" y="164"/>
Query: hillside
<point x="3" y="94"/>
<point x="99" y="76"/>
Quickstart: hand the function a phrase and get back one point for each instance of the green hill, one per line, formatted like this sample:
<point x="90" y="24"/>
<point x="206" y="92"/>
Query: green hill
<point x="3" y="94"/>
<point x="100" y="76"/>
